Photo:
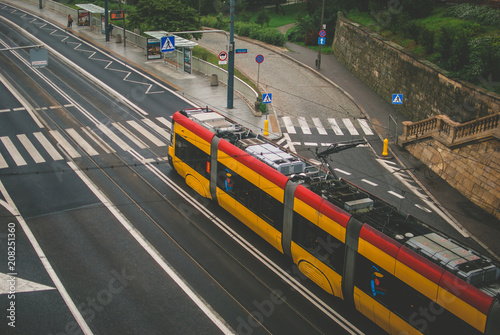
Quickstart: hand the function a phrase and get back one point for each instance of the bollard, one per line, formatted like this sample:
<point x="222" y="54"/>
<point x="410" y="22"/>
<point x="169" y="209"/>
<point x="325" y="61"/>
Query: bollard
<point x="386" y="145"/>
<point x="266" y="127"/>
<point x="214" y="80"/>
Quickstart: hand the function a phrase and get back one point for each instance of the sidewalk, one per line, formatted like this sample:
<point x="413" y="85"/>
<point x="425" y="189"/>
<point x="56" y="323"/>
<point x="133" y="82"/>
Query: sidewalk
<point x="195" y="87"/>
<point x="331" y="92"/>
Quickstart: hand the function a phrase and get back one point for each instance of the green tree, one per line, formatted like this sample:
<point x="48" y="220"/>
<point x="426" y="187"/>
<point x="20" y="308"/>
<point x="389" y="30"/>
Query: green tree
<point x="263" y="17"/>
<point x="168" y="15"/>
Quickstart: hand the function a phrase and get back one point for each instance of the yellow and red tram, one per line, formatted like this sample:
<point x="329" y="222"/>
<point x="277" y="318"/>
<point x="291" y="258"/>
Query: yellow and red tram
<point x="402" y="274"/>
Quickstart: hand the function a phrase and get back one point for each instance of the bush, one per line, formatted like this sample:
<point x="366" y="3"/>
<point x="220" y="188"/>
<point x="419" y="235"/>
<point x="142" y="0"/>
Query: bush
<point x="417" y="8"/>
<point x="445" y="40"/>
<point x="427" y="40"/>
<point x="295" y="35"/>
<point x="484" y="59"/>
<point x="273" y="36"/>
<point x="244" y="16"/>
<point x="459" y="51"/>
<point x="263" y="17"/>
<point x="254" y="32"/>
<point x="478" y="13"/>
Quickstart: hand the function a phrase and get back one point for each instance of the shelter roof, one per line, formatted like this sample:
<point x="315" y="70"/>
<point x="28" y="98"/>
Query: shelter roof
<point x="179" y="41"/>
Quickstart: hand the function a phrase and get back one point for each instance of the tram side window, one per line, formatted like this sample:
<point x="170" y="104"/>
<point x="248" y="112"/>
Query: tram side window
<point x="419" y="311"/>
<point x="238" y="187"/>
<point x="374" y="281"/>
<point x="192" y="156"/>
<point x="271" y="210"/>
<point x="318" y="242"/>
<point x="252" y="197"/>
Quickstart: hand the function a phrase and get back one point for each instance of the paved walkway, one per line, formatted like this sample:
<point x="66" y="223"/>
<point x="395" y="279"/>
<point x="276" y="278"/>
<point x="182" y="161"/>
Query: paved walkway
<point x="298" y="90"/>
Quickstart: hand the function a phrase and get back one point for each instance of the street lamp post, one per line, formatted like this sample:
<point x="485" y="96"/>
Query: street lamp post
<point x="106" y="22"/>
<point x="230" y="62"/>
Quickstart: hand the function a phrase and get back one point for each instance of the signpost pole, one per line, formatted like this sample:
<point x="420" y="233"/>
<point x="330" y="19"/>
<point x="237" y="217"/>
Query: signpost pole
<point x="230" y="64"/>
<point x="258" y="75"/>
<point x="318" y="61"/>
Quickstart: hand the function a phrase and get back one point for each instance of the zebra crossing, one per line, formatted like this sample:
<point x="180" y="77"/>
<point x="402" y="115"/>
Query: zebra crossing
<point x="24" y="149"/>
<point x="343" y="126"/>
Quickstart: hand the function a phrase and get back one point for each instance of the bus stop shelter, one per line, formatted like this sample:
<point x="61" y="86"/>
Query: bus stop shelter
<point x="85" y="16"/>
<point x="181" y="56"/>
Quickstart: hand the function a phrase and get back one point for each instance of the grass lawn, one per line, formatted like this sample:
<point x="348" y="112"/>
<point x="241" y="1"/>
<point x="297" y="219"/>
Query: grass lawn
<point x="278" y="20"/>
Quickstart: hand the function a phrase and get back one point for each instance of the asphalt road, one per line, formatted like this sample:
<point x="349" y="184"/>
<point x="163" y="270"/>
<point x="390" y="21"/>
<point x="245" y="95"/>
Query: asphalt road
<point x="108" y="240"/>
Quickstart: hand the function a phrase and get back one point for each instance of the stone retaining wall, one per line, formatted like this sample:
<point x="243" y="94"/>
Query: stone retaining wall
<point x="466" y="155"/>
<point x="388" y="69"/>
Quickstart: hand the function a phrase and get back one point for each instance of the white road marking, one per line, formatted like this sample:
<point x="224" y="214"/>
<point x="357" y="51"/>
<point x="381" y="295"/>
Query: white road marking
<point x="396" y="194"/>
<point x="157" y="128"/>
<point x="81" y="142"/>
<point x="3" y="163"/>
<point x="288" y="125"/>
<point x="130" y="136"/>
<point x="423" y="208"/>
<point x="48" y="146"/>
<point x="311" y="144"/>
<point x="350" y="127"/>
<point x="156" y="141"/>
<point x="11" y="148"/>
<point x="65" y="144"/>
<point x="11" y="207"/>
<point x="342" y="171"/>
<point x="97" y="140"/>
<point x="112" y="136"/>
<point x="391" y="167"/>
<point x="369" y="182"/>
<point x="319" y="126"/>
<point x="22" y="285"/>
<point x="304" y="126"/>
<point x="289" y="143"/>
<point x="5" y="110"/>
<point x="21" y="99"/>
<point x="165" y="122"/>
<point x="365" y="127"/>
<point x="30" y="148"/>
<point x="335" y="126"/>
<point x="209" y="312"/>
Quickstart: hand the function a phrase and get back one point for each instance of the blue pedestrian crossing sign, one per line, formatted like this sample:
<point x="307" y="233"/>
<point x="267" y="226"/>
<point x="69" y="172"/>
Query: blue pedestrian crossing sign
<point x="321" y="40"/>
<point x="267" y="98"/>
<point x="167" y="43"/>
<point x="397" y="99"/>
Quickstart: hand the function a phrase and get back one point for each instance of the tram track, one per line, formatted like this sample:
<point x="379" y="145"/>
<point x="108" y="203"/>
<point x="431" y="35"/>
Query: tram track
<point x="183" y="195"/>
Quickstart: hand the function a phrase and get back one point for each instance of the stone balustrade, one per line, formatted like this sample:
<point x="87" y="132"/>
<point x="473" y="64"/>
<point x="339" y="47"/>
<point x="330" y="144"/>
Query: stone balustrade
<point x="449" y="132"/>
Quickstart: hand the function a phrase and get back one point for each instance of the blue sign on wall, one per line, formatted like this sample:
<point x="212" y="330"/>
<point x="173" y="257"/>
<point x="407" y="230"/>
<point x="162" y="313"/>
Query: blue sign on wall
<point x="397" y="99"/>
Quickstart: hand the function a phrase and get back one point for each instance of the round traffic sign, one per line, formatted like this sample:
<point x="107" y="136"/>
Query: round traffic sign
<point x="223" y="56"/>
<point x="259" y="59"/>
<point x="322" y="33"/>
